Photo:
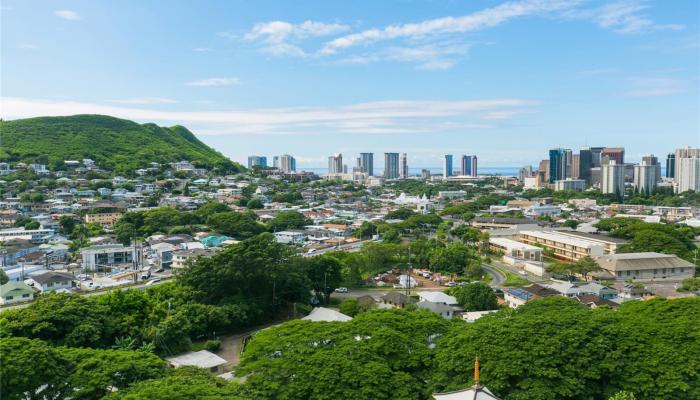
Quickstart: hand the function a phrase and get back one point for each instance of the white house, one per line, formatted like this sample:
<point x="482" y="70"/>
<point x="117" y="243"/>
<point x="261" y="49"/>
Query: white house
<point x="437" y="297"/>
<point x="290" y="237"/>
<point x="202" y="359"/>
<point x="51" y="281"/>
<point x="15" y="292"/>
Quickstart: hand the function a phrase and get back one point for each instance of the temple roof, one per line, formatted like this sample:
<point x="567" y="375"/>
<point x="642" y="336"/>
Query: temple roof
<point x="476" y="392"/>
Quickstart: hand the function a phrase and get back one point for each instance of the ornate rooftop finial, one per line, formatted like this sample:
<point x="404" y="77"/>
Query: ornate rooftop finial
<point x="476" y="370"/>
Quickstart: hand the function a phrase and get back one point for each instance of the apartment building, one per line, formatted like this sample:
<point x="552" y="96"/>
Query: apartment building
<point x="565" y="247"/>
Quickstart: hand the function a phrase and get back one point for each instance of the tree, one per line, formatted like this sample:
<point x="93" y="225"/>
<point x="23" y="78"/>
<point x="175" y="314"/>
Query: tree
<point x="365" y="231"/>
<point x="29" y="367"/>
<point x="32" y="225"/>
<point x="288" y="220"/>
<point x="237" y="225"/>
<point x="324" y="272"/>
<point x="623" y="395"/>
<point x="66" y="224"/>
<point x="475" y="297"/>
<point x="585" y="266"/>
<point x="255" y="204"/>
<point x="3" y="277"/>
<point x="184" y="383"/>
<point x="399" y="213"/>
<point x="349" y="307"/>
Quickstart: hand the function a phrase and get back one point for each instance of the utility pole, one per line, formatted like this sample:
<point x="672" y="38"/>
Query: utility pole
<point x="408" y="269"/>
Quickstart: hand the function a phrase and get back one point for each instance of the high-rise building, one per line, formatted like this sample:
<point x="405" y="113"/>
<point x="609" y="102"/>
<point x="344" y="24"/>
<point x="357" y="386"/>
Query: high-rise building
<point x="335" y="164"/>
<point x="686" y="152"/>
<point x="391" y="165"/>
<point x="671" y="165"/>
<point x="653" y="160"/>
<point x="257" y="161"/>
<point x="403" y="166"/>
<point x="687" y="174"/>
<point x="614" y="153"/>
<point x="585" y="163"/>
<point x="276" y="162"/>
<point x="575" y="163"/>
<point x="474" y="166"/>
<point x="543" y="169"/>
<point x="287" y="163"/>
<point x="568" y="160"/>
<point x="524" y="172"/>
<point x="425" y="173"/>
<point x="367" y="163"/>
<point x="613" y="178"/>
<point x="465" y="165"/>
<point x="645" y="177"/>
<point x="595" y="156"/>
<point x="558" y="165"/>
<point x="447" y="165"/>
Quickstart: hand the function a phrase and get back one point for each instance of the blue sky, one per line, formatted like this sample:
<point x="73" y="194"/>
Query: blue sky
<point x="503" y="80"/>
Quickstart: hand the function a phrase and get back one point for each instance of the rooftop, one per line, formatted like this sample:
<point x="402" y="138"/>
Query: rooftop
<point x="201" y="359"/>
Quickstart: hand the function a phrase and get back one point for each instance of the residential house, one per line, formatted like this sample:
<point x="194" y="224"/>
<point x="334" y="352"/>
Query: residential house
<point x="515" y="297"/>
<point x="396" y="300"/>
<point x="15" y="292"/>
<point x="51" y="281"/>
<point x="201" y="359"/>
<point x="440" y="309"/>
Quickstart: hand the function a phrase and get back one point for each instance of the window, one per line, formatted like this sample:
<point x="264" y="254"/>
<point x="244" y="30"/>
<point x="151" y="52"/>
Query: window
<point x="25" y="295"/>
<point x="619" y="273"/>
<point x="214" y="369"/>
<point x="628" y="273"/>
<point x="8" y="297"/>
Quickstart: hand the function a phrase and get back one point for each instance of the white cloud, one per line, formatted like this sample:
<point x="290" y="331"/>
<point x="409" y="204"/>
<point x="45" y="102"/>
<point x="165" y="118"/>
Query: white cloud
<point x="144" y="100"/>
<point x="379" y="117"/>
<point x="280" y="31"/>
<point x="654" y="87"/>
<point x="68" y="14"/>
<point x="280" y="49"/>
<point x="486" y="18"/>
<point x="27" y="46"/>
<point x="624" y="17"/>
<point x="203" y="49"/>
<point x="215" y="82"/>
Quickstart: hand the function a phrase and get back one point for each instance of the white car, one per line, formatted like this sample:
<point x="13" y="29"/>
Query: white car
<point x="152" y="282"/>
<point x="341" y="290"/>
<point x="451" y="284"/>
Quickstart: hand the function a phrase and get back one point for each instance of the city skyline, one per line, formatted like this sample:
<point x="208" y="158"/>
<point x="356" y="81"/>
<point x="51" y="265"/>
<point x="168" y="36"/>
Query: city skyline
<point x="264" y="77"/>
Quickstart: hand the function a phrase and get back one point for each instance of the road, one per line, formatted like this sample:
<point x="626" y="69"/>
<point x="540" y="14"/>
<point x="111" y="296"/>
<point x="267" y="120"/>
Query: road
<point x="498" y="276"/>
<point x="350" y="247"/>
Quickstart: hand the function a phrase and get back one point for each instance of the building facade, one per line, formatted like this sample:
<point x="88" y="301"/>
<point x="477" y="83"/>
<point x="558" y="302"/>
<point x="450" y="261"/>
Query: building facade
<point x="257" y="161"/>
<point x="391" y="165"/>
<point x="613" y="178"/>
<point x="447" y="165"/>
<point x="367" y="163"/>
<point x="403" y="166"/>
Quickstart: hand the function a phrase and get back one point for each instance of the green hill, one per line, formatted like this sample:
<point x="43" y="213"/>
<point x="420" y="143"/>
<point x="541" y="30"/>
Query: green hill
<point x="115" y="144"/>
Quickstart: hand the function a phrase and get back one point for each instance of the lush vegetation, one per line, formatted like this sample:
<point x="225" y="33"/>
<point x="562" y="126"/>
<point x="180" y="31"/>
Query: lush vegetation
<point x="548" y="349"/>
<point x="475" y="297"/>
<point x="115" y="144"/>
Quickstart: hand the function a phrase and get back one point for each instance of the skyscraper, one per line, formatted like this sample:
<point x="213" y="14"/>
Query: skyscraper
<point x="335" y="164"/>
<point x="543" y="169"/>
<point x="474" y="168"/>
<point x="653" y="160"/>
<point x="287" y="163"/>
<point x="367" y="163"/>
<point x="595" y="156"/>
<point x="575" y="165"/>
<point x="557" y="165"/>
<point x="403" y="166"/>
<point x="276" y="161"/>
<point x="447" y="165"/>
<point x="585" y="163"/>
<point x="645" y="177"/>
<point x="465" y="165"/>
<point x="391" y="165"/>
<point x="613" y="178"/>
<point x="671" y="165"/>
<point x="524" y="172"/>
<point x="686" y="152"/>
<point x="614" y="153"/>
<point x="257" y="161"/>
<point x="687" y="174"/>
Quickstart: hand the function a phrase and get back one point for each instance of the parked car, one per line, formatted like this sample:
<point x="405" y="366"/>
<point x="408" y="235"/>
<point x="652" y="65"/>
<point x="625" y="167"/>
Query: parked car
<point x="451" y="284"/>
<point x="341" y="290"/>
<point x="152" y="282"/>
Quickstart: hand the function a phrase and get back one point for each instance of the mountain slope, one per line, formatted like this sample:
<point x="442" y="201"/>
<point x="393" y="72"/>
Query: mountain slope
<point x="116" y="144"/>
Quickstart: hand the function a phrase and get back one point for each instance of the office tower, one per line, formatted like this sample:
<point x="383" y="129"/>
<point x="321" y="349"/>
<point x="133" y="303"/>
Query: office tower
<point x="447" y="165"/>
<point x="367" y="163"/>
<point x="425" y="173"/>
<point x="645" y="177"/>
<point x="687" y="174"/>
<point x="575" y="166"/>
<point x="613" y="178"/>
<point x="474" y="166"/>
<point x="464" y="165"/>
<point x="568" y="160"/>
<point x="671" y="165"/>
<point x="544" y="169"/>
<point x="686" y="152"/>
<point x="653" y="160"/>
<point x="557" y="165"/>
<point x="614" y="153"/>
<point x="595" y="156"/>
<point x="335" y="164"/>
<point x="403" y="166"/>
<point x="257" y="161"/>
<point x="585" y="163"/>
<point x="276" y="162"/>
<point x="287" y="163"/>
<point x="525" y="172"/>
<point x="391" y="165"/>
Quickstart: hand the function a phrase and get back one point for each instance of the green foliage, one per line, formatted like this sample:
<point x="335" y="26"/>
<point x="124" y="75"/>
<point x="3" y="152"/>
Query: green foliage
<point x="623" y="395"/>
<point x="456" y="258"/>
<point x="400" y="213"/>
<point x="690" y="284"/>
<point x="184" y="383"/>
<point x="288" y="220"/>
<point x="237" y="225"/>
<point x="255" y="204"/>
<point x="3" y="277"/>
<point x="378" y="355"/>
<point x="115" y="144"/>
<point x="577" y="352"/>
<point x="325" y="274"/>
<point x="212" y="345"/>
<point x="31" y="366"/>
<point x="349" y="307"/>
<point x="475" y="297"/>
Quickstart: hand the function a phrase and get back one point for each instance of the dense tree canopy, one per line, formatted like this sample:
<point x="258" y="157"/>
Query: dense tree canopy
<point x="475" y="297"/>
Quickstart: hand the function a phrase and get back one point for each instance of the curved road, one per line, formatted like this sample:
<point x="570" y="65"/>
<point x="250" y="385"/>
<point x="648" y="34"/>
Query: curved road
<point x="498" y="276"/>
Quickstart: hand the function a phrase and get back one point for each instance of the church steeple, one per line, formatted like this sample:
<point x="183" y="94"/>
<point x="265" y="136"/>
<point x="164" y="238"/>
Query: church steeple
<point x="476" y="370"/>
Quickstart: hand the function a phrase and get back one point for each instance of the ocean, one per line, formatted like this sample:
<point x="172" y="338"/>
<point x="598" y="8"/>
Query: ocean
<point x="502" y="171"/>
